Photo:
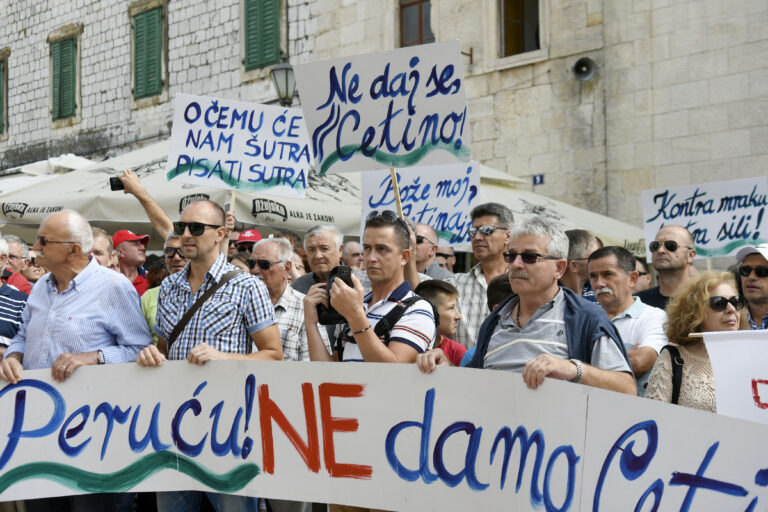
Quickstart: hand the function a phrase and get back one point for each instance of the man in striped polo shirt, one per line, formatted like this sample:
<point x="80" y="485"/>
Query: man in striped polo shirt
<point x="386" y="252"/>
<point x="12" y="303"/>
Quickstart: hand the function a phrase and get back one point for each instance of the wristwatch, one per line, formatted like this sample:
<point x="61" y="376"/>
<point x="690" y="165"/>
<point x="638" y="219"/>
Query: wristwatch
<point x="579" y="370"/>
<point x="100" y="356"/>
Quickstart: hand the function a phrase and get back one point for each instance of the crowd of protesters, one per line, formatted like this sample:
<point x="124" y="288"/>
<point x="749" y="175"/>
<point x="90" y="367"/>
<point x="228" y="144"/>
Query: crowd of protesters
<point x="540" y="301"/>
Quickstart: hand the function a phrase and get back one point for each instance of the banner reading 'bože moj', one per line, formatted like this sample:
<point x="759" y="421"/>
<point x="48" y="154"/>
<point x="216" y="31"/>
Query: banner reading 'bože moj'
<point x="374" y="435"/>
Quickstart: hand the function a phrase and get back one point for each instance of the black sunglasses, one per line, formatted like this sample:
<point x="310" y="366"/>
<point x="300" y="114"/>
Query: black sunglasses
<point x="486" y="230"/>
<point x="421" y="239"/>
<point x="44" y="241"/>
<point x="641" y="274"/>
<point x="389" y="216"/>
<point x="761" y="271"/>
<point x="170" y="252"/>
<point x="232" y="242"/>
<point x="444" y="255"/>
<point x="529" y="258"/>
<point x="263" y="264"/>
<point x="195" y="228"/>
<point x="669" y="245"/>
<point x="719" y="303"/>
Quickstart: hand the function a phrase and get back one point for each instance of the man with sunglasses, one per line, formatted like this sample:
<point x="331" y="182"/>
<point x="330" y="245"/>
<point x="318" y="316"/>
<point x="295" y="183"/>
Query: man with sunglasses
<point x="672" y="253"/>
<point x="272" y="263"/>
<point x="445" y="258"/>
<point x="644" y="275"/>
<point x="425" y="252"/>
<point x="386" y="242"/>
<point x="131" y="254"/>
<point x="12" y="302"/>
<point x="174" y="262"/>
<point x="546" y="330"/>
<point x="754" y="283"/>
<point x="237" y="317"/>
<point x="489" y="235"/>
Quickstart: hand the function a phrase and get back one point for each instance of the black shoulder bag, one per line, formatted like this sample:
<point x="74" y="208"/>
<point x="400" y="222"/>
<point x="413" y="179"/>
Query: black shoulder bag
<point x="677" y="370"/>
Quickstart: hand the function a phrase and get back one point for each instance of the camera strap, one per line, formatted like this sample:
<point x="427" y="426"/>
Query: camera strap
<point x="177" y="330"/>
<point x="387" y="323"/>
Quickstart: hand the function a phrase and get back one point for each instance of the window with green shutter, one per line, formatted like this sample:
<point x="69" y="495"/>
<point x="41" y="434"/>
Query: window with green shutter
<point x="64" y="79"/>
<point x="262" y="33"/>
<point x="148" y="53"/>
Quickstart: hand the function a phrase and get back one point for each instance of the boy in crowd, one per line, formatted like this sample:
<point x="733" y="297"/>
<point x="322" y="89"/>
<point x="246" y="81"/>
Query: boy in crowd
<point x="443" y="297"/>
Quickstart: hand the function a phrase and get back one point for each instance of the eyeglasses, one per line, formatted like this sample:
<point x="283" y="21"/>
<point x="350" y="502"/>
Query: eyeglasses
<point x="195" y="228"/>
<point x="13" y="257"/>
<point x="529" y="258"/>
<point x="33" y="262"/>
<point x="44" y="241"/>
<point x="669" y="245"/>
<point x="719" y="303"/>
<point x="641" y="274"/>
<point x="421" y="239"/>
<point x="245" y="246"/>
<point x="389" y="216"/>
<point x="486" y="230"/>
<point x="232" y="242"/>
<point x="170" y="252"/>
<point x="263" y="264"/>
<point x="761" y="271"/>
<point x="444" y="255"/>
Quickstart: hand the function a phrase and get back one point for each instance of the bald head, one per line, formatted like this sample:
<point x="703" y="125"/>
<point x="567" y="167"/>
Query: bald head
<point x="678" y="232"/>
<point x="206" y="211"/>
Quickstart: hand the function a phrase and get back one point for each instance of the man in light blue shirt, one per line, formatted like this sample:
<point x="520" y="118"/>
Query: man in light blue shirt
<point x="79" y="313"/>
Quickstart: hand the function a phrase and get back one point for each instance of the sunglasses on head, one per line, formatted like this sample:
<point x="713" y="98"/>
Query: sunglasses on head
<point x="719" y="303"/>
<point x="669" y="245"/>
<point x="263" y="264"/>
<point x="170" y="252"/>
<point x="389" y="216"/>
<point x="421" y="239"/>
<point x="195" y="228"/>
<point x="529" y="258"/>
<point x="44" y="241"/>
<point x="486" y="230"/>
<point x="760" y="271"/>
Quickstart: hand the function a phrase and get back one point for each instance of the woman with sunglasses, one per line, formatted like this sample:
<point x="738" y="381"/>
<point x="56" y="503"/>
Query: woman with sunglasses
<point x="706" y="303"/>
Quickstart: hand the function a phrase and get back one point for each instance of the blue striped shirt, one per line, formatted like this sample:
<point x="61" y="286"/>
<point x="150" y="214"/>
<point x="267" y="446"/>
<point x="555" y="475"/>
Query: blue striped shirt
<point x="224" y="321"/>
<point x="12" y="303"/>
<point x="98" y="311"/>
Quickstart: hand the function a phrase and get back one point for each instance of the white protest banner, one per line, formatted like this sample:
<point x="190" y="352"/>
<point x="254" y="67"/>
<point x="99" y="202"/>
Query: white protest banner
<point x="740" y="365"/>
<point x="239" y="146"/>
<point x="721" y="216"/>
<point x="373" y="435"/>
<point x="392" y="109"/>
<point x="441" y="196"/>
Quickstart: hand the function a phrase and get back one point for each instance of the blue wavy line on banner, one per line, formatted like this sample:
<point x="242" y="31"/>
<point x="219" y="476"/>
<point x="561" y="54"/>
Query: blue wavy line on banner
<point x="130" y="476"/>
<point x="727" y="249"/>
<point x="406" y="160"/>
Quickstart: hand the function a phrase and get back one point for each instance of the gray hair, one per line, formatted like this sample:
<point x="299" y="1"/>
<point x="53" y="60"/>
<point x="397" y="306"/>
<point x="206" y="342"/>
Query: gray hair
<point x="498" y="210"/>
<point x="3" y="247"/>
<point x="578" y="242"/>
<point x="558" y="243"/>
<point x="284" y="249"/>
<point x="24" y="247"/>
<point x="79" y="230"/>
<point x="338" y="237"/>
<point x="171" y="236"/>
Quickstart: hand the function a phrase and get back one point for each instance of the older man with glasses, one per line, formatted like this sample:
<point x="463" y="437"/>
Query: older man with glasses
<point x="753" y="271"/>
<point x="546" y="330"/>
<point x="489" y="234"/>
<point x="426" y="251"/>
<point x="672" y="253"/>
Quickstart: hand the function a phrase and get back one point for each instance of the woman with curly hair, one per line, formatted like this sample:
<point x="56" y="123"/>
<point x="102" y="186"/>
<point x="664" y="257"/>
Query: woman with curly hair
<point x="705" y="303"/>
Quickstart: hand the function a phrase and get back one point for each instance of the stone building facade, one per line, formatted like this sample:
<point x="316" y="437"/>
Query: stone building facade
<point x="679" y="94"/>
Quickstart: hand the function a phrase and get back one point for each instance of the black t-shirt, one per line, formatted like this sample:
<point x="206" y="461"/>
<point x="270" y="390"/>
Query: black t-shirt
<point x="653" y="297"/>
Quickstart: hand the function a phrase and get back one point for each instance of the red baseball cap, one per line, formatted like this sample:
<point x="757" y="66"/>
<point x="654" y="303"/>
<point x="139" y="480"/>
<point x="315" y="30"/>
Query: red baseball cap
<point x="249" y="235"/>
<point x="125" y="235"/>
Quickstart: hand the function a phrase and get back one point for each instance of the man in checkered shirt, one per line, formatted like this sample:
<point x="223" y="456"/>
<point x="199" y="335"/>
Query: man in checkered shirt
<point x="236" y="317"/>
<point x="489" y="234"/>
<point x="272" y="262"/>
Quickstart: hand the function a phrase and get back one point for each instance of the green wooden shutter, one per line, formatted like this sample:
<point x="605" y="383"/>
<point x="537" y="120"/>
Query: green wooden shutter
<point x="63" y="54"/>
<point x="262" y="33"/>
<point x="2" y="96"/>
<point x="147" y="53"/>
